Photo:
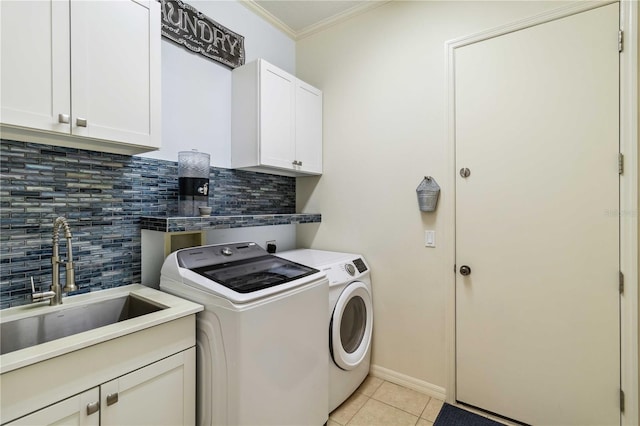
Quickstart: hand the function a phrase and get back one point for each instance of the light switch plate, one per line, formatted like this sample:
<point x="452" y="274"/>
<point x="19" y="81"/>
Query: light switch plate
<point x="430" y="238"/>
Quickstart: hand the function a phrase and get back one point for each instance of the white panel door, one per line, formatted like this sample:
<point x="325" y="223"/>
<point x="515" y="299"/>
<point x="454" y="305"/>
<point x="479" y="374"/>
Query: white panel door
<point x="537" y="319"/>
<point x="35" y="64"/>
<point x="112" y="70"/>
<point x="158" y="394"/>
<point x="277" y="102"/>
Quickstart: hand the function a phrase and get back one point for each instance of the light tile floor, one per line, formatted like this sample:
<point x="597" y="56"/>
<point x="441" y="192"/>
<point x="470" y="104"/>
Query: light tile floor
<point x="380" y="403"/>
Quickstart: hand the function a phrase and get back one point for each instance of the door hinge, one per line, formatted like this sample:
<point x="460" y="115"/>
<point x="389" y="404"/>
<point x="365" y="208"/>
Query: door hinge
<point x="620" y="40"/>
<point x="620" y="163"/>
<point x="621" y="283"/>
<point x="621" y="401"/>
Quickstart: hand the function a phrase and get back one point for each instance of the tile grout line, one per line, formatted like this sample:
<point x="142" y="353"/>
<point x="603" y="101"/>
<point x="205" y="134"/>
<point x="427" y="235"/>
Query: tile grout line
<point x="398" y="408"/>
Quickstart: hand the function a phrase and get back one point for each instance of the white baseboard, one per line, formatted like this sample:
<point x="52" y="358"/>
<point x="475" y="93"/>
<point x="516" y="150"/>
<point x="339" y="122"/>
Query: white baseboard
<point x="432" y="390"/>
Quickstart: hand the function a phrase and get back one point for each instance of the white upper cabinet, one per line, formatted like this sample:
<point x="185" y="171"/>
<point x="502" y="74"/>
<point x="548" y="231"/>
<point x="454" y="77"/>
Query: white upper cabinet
<point x="276" y="122"/>
<point x="84" y="74"/>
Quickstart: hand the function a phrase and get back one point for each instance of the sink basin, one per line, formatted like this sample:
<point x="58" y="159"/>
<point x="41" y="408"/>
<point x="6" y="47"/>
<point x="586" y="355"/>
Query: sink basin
<point x="37" y="329"/>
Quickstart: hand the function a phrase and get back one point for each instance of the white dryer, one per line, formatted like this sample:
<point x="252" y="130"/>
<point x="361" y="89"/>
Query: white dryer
<point x="350" y="317"/>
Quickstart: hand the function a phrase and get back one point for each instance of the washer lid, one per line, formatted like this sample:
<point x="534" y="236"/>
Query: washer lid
<point x="249" y="275"/>
<point x="241" y="267"/>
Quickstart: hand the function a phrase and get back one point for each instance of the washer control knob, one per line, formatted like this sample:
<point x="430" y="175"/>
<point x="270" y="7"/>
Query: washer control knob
<point x="351" y="270"/>
<point x="226" y="251"/>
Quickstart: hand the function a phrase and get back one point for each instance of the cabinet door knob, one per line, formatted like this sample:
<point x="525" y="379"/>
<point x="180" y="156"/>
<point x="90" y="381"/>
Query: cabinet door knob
<point x="93" y="407"/>
<point x="112" y="398"/>
<point x="81" y="122"/>
<point x="63" y="118"/>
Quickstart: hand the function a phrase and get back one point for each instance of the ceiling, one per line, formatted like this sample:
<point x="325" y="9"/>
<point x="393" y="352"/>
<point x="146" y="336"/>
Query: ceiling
<point x="301" y="18"/>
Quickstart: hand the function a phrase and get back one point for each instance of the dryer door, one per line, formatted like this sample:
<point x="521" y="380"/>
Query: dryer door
<point x="351" y="326"/>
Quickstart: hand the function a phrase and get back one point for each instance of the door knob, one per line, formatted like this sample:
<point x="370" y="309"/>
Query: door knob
<point x="465" y="270"/>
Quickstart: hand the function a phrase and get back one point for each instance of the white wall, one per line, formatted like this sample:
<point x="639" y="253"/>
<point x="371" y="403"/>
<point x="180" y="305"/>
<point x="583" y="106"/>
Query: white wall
<point x="384" y="84"/>
<point x="283" y="235"/>
<point x="196" y="91"/>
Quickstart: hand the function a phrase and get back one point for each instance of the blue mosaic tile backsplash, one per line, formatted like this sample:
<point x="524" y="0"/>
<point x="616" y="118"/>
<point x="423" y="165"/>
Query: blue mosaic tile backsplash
<point x="103" y="197"/>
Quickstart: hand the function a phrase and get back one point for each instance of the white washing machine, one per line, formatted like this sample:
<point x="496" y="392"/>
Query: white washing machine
<point x="350" y="317"/>
<point x="261" y="349"/>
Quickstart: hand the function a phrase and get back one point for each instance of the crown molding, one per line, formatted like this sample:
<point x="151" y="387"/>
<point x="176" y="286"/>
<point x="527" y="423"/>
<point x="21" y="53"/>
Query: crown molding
<point x="269" y="17"/>
<point x="340" y="17"/>
<point x="314" y="28"/>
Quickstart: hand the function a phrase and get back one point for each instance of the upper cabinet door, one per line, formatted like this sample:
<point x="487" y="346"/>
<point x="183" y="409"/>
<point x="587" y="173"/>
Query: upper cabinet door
<point x="115" y="65"/>
<point x="277" y="103"/>
<point x="308" y="128"/>
<point x="35" y="52"/>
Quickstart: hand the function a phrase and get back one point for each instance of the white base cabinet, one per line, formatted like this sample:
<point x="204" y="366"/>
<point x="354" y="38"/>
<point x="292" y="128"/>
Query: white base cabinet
<point x="143" y="378"/>
<point x="84" y="74"/>
<point x="276" y="122"/>
<point x="152" y="395"/>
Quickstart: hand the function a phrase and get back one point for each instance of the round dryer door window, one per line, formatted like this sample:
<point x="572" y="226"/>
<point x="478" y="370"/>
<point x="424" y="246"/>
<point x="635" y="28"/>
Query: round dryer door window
<point x="351" y="326"/>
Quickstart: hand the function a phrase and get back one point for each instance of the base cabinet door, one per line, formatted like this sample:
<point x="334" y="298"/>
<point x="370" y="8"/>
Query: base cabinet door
<point x="81" y="410"/>
<point x="162" y="393"/>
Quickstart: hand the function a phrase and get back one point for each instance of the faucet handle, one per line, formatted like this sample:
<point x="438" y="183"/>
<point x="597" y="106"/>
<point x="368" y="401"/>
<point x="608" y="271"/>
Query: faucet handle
<point x="39" y="297"/>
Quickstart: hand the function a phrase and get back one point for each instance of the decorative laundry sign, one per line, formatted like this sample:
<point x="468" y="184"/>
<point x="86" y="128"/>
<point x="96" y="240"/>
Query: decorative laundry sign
<point x="184" y="25"/>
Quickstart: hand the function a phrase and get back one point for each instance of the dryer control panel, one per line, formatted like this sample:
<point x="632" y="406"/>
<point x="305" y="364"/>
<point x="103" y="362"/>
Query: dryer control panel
<point x="339" y="267"/>
<point x="342" y="272"/>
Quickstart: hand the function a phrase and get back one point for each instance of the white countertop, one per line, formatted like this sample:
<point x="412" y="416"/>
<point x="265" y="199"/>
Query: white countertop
<point x="175" y="308"/>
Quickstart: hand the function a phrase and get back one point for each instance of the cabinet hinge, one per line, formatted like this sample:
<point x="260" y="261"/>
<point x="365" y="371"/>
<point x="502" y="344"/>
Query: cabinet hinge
<point x="621" y="283"/>
<point x="620" y="163"/>
<point x="620" y="40"/>
<point x="621" y="401"/>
